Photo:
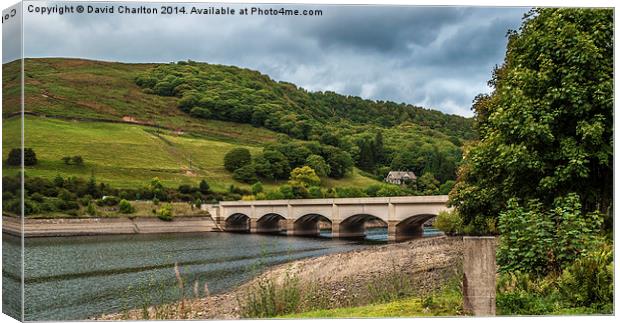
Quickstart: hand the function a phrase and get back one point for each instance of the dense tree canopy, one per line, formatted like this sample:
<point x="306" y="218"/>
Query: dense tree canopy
<point x="372" y="133"/>
<point x="546" y="129"/>
<point x="242" y="95"/>
<point x="236" y="159"/>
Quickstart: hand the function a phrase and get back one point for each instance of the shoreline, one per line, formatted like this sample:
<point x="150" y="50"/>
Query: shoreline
<point x="65" y="227"/>
<point x="430" y="262"/>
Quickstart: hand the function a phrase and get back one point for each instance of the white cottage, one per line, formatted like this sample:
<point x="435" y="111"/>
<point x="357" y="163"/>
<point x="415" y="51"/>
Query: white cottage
<point x="399" y="177"/>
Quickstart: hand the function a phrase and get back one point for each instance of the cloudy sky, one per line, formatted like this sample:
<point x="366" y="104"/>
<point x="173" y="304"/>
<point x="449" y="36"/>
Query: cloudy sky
<point x="435" y="57"/>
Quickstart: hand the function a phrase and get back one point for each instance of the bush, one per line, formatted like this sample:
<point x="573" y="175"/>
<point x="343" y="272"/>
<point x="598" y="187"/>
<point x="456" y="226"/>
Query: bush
<point x="185" y="189"/>
<point x="236" y="159"/>
<point x="274" y="195"/>
<point x="199" y="112"/>
<point x="77" y="160"/>
<point x="204" y="187"/>
<point x="31" y="207"/>
<point x="449" y="222"/>
<point x="304" y="176"/>
<point x="37" y="197"/>
<point x="245" y="174"/>
<point x="539" y="241"/>
<point x="589" y="280"/>
<point x="91" y="209"/>
<point x="15" y="157"/>
<point x="315" y="192"/>
<point x="125" y="207"/>
<point x="318" y="164"/>
<point x="586" y="287"/>
<point x="257" y="188"/>
<point x="165" y="213"/>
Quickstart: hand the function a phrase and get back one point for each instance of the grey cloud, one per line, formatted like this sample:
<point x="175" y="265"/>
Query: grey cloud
<point x="383" y="29"/>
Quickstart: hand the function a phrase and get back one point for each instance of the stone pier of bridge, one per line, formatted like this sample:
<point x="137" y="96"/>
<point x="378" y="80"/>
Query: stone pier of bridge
<point x="403" y="216"/>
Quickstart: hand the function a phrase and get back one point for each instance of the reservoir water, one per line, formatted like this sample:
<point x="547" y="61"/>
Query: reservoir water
<point x="72" y="278"/>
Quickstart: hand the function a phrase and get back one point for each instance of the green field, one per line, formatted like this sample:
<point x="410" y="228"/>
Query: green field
<point x="128" y="156"/>
<point x="410" y="307"/>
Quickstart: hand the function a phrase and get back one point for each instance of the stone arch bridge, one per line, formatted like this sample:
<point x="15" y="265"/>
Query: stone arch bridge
<point x="403" y="215"/>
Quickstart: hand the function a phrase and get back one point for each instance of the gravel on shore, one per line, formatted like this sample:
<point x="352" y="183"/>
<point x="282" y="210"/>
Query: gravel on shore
<point x="429" y="261"/>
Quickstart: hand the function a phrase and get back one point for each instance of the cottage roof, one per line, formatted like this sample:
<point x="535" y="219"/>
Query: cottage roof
<point x="401" y="175"/>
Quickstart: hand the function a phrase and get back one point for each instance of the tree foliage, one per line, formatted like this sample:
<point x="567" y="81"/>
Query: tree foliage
<point x="372" y="133"/>
<point x="237" y="158"/>
<point x="539" y="240"/>
<point x="546" y="129"/>
<point x="15" y="157"/>
<point x="241" y="95"/>
<point x="304" y="176"/>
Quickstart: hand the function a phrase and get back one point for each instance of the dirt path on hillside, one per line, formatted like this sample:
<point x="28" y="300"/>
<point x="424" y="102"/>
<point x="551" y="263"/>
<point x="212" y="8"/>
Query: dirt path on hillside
<point x="430" y="262"/>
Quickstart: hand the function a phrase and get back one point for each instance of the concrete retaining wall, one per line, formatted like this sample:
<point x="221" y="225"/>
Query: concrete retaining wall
<point x="97" y="226"/>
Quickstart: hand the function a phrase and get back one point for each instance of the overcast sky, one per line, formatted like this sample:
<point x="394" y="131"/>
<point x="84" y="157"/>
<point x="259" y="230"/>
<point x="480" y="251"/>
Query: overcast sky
<point x="435" y="57"/>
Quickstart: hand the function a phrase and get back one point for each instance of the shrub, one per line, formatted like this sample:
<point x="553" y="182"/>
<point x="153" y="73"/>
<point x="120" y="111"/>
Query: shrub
<point x="200" y="112"/>
<point x="15" y="157"/>
<point x="315" y="192"/>
<point x="30" y="158"/>
<point x="588" y="281"/>
<point x="125" y="207"/>
<point x="449" y="222"/>
<point x="64" y="205"/>
<point x="165" y="212"/>
<point x="31" y="207"/>
<point x="91" y="209"/>
<point x="287" y="192"/>
<point x="37" y="197"/>
<point x="77" y="160"/>
<point x="245" y="174"/>
<point x="318" y="164"/>
<point x="349" y="192"/>
<point x="185" y="189"/>
<point x="274" y="195"/>
<point x="526" y="238"/>
<point x="390" y="190"/>
<point x="66" y="195"/>
<point x="204" y="187"/>
<point x="537" y="240"/>
<point x="304" y="176"/>
<point x="257" y="188"/>
<point x="236" y="159"/>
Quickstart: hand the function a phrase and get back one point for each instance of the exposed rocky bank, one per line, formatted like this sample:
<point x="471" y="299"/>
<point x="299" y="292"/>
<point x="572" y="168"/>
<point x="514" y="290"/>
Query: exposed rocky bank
<point x="429" y="262"/>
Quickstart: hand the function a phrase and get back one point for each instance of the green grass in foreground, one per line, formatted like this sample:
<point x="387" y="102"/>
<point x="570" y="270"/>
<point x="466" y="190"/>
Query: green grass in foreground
<point x="129" y="156"/>
<point x="410" y="307"/>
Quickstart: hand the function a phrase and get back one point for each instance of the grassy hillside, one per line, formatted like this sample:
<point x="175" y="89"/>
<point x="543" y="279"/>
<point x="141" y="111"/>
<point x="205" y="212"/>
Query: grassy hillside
<point x="128" y="156"/>
<point x="101" y="90"/>
<point x="110" y="114"/>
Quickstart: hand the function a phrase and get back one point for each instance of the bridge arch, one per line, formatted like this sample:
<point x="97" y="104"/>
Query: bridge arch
<point x="354" y="226"/>
<point x="410" y="227"/>
<point x="308" y="224"/>
<point x="268" y="223"/>
<point x="237" y="222"/>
